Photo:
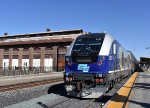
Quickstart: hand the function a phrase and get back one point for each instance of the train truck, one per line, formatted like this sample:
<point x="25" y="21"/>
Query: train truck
<point x="94" y="62"/>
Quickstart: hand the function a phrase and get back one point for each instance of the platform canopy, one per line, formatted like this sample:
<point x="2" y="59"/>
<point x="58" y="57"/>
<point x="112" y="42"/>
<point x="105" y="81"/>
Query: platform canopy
<point x="144" y="61"/>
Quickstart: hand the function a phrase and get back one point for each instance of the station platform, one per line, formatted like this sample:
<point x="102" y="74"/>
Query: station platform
<point x="18" y="79"/>
<point x="140" y="94"/>
<point x="135" y="93"/>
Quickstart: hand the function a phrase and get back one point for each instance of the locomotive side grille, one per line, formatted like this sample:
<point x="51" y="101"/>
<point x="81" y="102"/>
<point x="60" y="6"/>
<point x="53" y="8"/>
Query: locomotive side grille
<point x="81" y="76"/>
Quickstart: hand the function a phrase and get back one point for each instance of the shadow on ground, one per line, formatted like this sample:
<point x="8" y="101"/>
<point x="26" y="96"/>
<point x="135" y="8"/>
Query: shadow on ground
<point x="104" y="99"/>
<point x="142" y="104"/>
<point x="58" y="89"/>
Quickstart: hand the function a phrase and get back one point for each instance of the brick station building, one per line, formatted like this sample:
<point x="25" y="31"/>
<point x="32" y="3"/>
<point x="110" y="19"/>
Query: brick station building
<point x="34" y="52"/>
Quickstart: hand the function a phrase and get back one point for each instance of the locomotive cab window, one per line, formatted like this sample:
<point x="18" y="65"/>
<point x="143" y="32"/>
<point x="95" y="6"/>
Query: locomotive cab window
<point x="86" y="48"/>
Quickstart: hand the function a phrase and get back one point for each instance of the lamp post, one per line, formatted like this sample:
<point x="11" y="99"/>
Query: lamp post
<point x="148" y="59"/>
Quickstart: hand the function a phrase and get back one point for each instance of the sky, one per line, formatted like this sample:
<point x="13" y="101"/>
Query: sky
<point x="128" y="21"/>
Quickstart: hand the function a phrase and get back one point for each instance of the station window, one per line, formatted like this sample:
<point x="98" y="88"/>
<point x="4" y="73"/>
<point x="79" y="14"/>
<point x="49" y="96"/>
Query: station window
<point x="15" y="56"/>
<point x="25" y="56"/>
<point x="26" y="49"/>
<point x="5" y="56"/>
<point x="15" y="49"/>
<point x="48" y="56"/>
<point x="37" y="49"/>
<point x="6" y="50"/>
<point x="61" y="56"/>
<point x="48" y="49"/>
<point x="61" y="50"/>
<point x="36" y="56"/>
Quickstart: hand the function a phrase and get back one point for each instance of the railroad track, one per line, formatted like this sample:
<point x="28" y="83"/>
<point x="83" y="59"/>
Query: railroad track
<point x="30" y="84"/>
<point x="63" y="101"/>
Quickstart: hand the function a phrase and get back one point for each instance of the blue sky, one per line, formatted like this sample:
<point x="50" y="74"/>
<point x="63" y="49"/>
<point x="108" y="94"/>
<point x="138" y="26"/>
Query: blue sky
<point x="126" y="20"/>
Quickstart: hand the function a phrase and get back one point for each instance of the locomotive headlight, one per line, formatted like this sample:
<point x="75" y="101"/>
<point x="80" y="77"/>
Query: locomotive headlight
<point x="68" y="60"/>
<point x="99" y="75"/>
<point x="68" y="77"/>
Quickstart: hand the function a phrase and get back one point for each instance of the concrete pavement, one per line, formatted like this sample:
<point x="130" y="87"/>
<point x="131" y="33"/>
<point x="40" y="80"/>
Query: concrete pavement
<point x="10" y="80"/>
<point x="140" y="95"/>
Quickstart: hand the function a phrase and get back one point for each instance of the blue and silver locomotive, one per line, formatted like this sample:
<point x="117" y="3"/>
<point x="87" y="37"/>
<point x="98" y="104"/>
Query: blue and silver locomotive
<point x="94" y="62"/>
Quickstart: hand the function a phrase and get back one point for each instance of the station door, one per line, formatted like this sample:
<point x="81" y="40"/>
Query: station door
<point x="15" y="63"/>
<point x="5" y="63"/>
<point x="36" y="62"/>
<point x="48" y="63"/>
<point x="61" y="62"/>
<point x="25" y="62"/>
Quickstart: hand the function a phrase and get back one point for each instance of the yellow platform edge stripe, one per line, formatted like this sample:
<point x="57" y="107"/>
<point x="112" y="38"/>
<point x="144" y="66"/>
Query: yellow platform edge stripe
<point x="120" y="98"/>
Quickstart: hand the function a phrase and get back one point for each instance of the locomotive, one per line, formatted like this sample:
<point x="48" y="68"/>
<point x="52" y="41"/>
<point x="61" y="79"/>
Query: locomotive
<point x="94" y="62"/>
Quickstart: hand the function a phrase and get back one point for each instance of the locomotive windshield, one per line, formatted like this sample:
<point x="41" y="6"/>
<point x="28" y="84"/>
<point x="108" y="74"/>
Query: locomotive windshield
<point x="86" y="48"/>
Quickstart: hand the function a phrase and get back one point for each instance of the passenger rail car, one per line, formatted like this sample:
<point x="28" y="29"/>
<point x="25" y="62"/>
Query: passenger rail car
<point x="93" y="63"/>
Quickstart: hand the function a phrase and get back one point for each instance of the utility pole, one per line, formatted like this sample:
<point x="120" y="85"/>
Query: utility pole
<point x="147" y="48"/>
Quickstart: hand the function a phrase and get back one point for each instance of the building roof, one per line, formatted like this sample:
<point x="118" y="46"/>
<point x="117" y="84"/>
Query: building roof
<point x="49" y="33"/>
<point x="44" y="37"/>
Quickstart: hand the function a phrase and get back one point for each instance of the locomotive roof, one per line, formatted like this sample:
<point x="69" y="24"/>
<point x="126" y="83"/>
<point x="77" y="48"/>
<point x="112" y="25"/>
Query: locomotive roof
<point x="108" y="40"/>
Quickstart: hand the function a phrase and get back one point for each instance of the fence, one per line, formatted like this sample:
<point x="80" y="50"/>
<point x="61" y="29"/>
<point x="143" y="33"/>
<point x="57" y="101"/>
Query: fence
<point x="11" y="71"/>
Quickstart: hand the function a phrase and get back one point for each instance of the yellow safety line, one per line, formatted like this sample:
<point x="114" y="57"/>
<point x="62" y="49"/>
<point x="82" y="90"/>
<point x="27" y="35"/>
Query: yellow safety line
<point x="119" y="99"/>
<point x="127" y="104"/>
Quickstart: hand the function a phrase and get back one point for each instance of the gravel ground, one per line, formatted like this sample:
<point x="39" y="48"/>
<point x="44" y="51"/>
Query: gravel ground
<point x="17" y="96"/>
<point x="50" y="96"/>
